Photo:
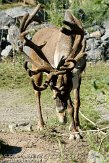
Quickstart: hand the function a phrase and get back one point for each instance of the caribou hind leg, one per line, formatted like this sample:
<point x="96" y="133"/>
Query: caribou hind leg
<point x="76" y="107"/>
<point x="76" y="112"/>
<point x="73" y="110"/>
<point x="72" y="126"/>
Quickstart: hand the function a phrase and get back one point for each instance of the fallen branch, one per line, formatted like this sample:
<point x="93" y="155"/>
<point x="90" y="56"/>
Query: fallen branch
<point x="94" y="124"/>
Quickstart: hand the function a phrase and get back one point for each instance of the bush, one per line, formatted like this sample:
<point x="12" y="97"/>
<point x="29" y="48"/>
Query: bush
<point x="96" y="11"/>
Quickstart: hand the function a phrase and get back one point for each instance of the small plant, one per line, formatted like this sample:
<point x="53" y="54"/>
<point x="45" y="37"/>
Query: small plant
<point x="55" y="12"/>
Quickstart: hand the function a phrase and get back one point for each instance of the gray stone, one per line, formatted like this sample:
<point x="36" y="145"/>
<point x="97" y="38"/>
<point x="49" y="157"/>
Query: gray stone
<point x="21" y="11"/>
<point x="96" y="34"/>
<point x="18" y="11"/>
<point x="103" y="112"/>
<point x="90" y="44"/>
<point x="20" y="127"/>
<point x="94" y="55"/>
<point x="6" y="52"/>
<point x="12" y="127"/>
<point x="106" y="35"/>
<point x="101" y="98"/>
<point x="95" y="157"/>
<point x="5" y="20"/>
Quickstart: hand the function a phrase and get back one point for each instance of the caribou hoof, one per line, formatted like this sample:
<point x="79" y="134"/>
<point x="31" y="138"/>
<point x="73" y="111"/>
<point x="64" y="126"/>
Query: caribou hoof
<point x="80" y="131"/>
<point x="40" y="126"/>
<point x="75" y="136"/>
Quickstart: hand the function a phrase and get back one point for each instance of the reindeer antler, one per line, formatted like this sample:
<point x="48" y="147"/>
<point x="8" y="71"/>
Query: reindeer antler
<point x="77" y="30"/>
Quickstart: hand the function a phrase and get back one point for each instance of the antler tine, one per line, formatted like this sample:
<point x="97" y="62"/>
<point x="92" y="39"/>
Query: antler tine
<point x="37" y="50"/>
<point x="72" y="19"/>
<point x="72" y="59"/>
<point x="31" y="16"/>
<point x="49" y="77"/>
<point x="22" y="24"/>
<point x="70" y="62"/>
<point x="38" y="88"/>
<point x="44" y="86"/>
<point x="83" y="45"/>
<point x="75" y="29"/>
<point x="39" y="70"/>
<point x="82" y="52"/>
<point x="78" y="39"/>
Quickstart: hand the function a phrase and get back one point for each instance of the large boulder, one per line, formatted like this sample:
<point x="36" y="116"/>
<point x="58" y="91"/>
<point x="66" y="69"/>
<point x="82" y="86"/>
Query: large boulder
<point x="5" y="20"/>
<point x="98" y="43"/>
<point x="10" y="17"/>
<point x="20" y="11"/>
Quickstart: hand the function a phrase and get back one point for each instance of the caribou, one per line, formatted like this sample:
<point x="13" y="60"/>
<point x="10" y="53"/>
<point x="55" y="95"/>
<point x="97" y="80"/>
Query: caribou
<point x="60" y="54"/>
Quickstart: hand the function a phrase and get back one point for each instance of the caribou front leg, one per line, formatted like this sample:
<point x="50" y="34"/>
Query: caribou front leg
<point x="76" y="107"/>
<point x="40" y="125"/>
<point x="70" y="110"/>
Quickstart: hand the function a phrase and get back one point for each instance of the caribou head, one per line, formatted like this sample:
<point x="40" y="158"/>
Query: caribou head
<point x="60" y="54"/>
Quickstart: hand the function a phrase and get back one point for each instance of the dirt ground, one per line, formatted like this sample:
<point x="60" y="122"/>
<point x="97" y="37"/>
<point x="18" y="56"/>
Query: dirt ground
<point x="49" y="146"/>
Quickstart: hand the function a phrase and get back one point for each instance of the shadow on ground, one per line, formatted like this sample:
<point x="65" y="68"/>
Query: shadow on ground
<point x="8" y="150"/>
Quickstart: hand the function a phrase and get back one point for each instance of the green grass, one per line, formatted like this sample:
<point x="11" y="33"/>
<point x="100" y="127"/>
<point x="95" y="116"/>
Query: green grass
<point x="9" y="5"/>
<point x="95" y="80"/>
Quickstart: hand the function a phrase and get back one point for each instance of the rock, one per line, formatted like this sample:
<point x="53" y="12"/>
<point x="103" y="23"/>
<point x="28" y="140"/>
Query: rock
<point x="100" y="98"/>
<point x="95" y="157"/>
<point x="13" y="35"/>
<point x="12" y="127"/>
<point x="94" y="55"/>
<point x="21" y="11"/>
<point x="107" y="54"/>
<point x="6" y="52"/>
<point x="5" y="20"/>
<point x="17" y="11"/>
<point x="96" y="34"/>
<point x="8" y="16"/>
<point x="24" y="127"/>
<point x="90" y="44"/>
<point x="20" y="127"/>
<point x="106" y="35"/>
<point x="103" y="112"/>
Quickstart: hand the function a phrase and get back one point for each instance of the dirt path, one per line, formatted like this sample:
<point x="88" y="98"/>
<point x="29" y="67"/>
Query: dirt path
<point x="43" y="148"/>
<point x="49" y="146"/>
